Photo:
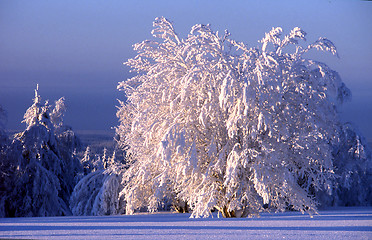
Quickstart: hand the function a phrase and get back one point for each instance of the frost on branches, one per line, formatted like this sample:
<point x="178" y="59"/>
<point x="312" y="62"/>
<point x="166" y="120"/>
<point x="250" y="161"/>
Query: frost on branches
<point x="218" y="125"/>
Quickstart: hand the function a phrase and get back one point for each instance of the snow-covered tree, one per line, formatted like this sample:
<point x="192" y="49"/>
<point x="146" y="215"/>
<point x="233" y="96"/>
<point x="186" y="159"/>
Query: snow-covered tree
<point x="37" y="185"/>
<point x="98" y="192"/>
<point x="94" y="162"/>
<point x="222" y="126"/>
<point x="353" y="167"/>
<point x="86" y="161"/>
<point x="46" y="166"/>
<point x="56" y="115"/>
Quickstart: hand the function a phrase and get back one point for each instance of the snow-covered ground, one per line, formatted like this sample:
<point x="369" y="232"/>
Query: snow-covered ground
<point x="337" y="223"/>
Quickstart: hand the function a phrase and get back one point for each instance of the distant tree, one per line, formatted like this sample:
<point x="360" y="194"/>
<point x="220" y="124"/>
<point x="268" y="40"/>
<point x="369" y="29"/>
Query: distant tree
<point x="94" y="162"/>
<point x="86" y="161"/>
<point x="218" y="125"/>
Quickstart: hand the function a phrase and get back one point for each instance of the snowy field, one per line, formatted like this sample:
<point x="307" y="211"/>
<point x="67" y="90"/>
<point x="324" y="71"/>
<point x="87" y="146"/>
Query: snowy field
<point x="339" y="223"/>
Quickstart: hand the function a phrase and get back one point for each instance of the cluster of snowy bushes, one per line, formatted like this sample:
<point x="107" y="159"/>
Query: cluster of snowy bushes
<point x="209" y="124"/>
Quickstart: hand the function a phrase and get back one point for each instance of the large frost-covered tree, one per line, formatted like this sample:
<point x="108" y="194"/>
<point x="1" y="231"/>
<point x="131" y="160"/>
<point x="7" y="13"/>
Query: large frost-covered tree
<point x="222" y="126"/>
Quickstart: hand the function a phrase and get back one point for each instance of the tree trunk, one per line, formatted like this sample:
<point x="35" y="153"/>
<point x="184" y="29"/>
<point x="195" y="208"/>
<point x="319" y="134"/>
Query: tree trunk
<point x="181" y="206"/>
<point x="238" y="213"/>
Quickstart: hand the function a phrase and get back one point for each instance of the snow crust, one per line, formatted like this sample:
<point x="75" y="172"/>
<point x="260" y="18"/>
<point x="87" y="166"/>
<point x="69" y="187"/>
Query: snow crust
<point x="334" y="223"/>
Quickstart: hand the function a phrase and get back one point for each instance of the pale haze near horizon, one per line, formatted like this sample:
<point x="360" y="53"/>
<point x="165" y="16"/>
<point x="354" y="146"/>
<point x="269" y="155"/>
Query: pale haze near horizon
<point x="76" y="49"/>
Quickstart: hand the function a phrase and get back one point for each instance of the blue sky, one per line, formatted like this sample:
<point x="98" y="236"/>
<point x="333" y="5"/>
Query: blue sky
<point x="76" y="48"/>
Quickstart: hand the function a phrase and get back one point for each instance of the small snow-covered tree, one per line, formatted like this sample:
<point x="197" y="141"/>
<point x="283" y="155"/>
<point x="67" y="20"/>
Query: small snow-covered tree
<point x="56" y="115"/>
<point x="353" y="167"/>
<point x="219" y="125"/>
<point x="98" y="192"/>
<point x="94" y="162"/>
<point x="86" y="161"/>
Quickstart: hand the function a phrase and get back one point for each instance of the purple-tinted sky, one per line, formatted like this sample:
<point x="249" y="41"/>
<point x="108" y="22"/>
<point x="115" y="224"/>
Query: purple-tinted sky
<point x="76" y="48"/>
